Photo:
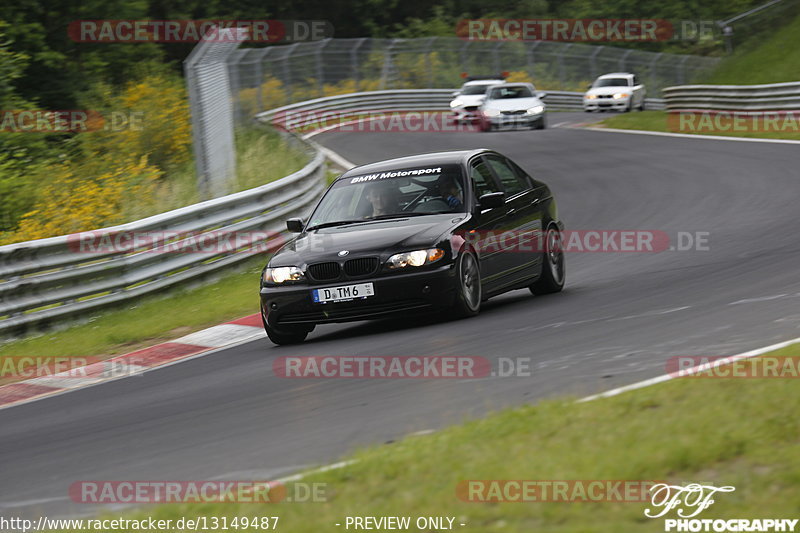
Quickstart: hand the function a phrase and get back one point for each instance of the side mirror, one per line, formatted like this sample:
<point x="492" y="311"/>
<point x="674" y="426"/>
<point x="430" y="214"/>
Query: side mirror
<point x="295" y="225"/>
<point x="492" y="200"/>
<point x="589" y="87"/>
<point x="541" y="95"/>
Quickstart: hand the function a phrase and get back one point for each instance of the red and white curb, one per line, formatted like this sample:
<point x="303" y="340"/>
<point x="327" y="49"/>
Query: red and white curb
<point x="221" y="336"/>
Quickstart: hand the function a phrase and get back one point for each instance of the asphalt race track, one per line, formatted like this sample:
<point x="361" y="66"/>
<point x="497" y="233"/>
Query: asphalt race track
<point x="621" y="316"/>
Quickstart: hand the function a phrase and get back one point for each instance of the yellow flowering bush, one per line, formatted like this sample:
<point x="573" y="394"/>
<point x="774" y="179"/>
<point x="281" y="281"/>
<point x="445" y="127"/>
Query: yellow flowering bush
<point x="73" y="200"/>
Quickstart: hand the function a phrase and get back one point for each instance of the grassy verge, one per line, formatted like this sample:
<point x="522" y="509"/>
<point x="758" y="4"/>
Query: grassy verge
<point x="657" y="121"/>
<point x="741" y="432"/>
<point x="151" y="320"/>
<point x="772" y="60"/>
<point x="262" y="156"/>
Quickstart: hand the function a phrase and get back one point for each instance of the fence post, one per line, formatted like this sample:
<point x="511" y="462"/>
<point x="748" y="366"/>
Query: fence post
<point x="561" y="72"/>
<point x="320" y="73"/>
<point x="653" y="70"/>
<point x="623" y="59"/>
<point x="593" y="61"/>
<point x="354" y="63"/>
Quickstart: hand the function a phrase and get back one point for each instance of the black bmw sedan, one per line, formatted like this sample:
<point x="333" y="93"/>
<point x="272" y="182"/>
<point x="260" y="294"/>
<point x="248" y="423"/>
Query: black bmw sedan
<point x="433" y="232"/>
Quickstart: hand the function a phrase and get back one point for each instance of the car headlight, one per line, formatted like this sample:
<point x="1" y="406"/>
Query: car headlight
<point x="591" y="96"/>
<point x="620" y="95"/>
<point x="535" y="110"/>
<point x="416" y="258"/>
<point x="456" y="103"/>
<point x="491" y="112"/>
<point x="281" y="275"/>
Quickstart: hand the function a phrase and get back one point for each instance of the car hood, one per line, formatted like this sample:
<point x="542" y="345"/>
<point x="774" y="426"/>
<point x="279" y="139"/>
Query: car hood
<point x="606" y="91"/>
<point x="470" y="99"/>
<point x="369" y="238"/>
<point x="512" y="104"/>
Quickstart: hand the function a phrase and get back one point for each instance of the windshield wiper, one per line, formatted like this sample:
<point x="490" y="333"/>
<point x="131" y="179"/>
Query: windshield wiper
<point x="333" y="224"/>
<point x="398" y="215"/>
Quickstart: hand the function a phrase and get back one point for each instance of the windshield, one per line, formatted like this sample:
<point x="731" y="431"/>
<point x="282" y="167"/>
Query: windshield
<point x="475" y="89"/>
<point x="396" y="193"/>
<point x="611" y="82"/>
<point x="510" y="92"/>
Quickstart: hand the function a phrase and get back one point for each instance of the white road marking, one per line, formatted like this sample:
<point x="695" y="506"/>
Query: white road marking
<point x="692" y="136"/>
<point x="760" y="299"/>
<point x="695" y="369"/>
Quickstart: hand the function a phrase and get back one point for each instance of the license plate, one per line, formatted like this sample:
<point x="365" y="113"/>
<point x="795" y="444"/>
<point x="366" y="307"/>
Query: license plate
<point x="343" y="294"/>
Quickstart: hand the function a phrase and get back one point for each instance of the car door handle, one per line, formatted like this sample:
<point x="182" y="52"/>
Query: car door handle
<point x="510" y="212"/>
<point x="535" y="201"/>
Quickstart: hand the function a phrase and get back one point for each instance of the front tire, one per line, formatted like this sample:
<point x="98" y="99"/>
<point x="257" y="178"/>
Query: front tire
<point x="553" y="272"/>
<point x="468" y="287"/>
<point x="285" y="336"/>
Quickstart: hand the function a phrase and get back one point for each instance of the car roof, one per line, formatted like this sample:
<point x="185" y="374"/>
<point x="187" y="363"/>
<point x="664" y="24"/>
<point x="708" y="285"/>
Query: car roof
<point x="616" y="75"/>
<point x="432" y="158"/>
<point x="513" y="84"/>
<point x="484" y="82"/>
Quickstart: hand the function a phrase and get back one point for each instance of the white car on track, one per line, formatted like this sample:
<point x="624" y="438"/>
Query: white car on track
<point x="465" y="103"/>
<point x="621" y="91"/>
<point x="512" y="104"/>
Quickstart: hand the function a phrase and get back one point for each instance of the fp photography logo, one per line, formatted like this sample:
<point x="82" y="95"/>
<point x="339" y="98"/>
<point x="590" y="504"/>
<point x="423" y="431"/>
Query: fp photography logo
<point x="690" y="500"/>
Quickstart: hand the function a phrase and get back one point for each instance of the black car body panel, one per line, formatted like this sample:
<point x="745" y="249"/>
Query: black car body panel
<point x="357" y="253"/>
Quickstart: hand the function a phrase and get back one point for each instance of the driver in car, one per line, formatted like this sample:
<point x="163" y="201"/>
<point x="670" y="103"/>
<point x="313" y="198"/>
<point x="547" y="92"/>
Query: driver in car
<point x="450" y="191"/>
<point x="383" y="198"/>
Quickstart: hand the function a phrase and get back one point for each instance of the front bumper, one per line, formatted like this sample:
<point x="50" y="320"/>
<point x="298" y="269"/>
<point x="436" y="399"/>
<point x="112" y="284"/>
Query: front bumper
<point x="510" y="121"/>
<point x="395" y="293"/>
<point x="605" y="103"/>
<point x="468" y="115"/>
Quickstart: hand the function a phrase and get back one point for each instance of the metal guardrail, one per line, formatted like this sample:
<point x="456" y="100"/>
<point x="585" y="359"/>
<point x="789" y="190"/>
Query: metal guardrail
<point x="769" y="97"/>
<point x="46" y="281"/>
<point x="50" y="280"/>
<point x="434" y="100"/>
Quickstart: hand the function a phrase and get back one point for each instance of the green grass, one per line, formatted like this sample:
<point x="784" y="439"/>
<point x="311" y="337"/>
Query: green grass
<point x="657" y="121"/>
<point x="774" y="59"/>
<point x="262" y="156"/>
<point x="151" y="320"/>
<point x="742" y="433"/>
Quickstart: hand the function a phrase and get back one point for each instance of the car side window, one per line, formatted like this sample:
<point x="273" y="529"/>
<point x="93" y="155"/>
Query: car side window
<point x="636" y="80"/>
<point x="524" y="176"/>
<point x="482" y="179"/>
<point x="512" y="182"/>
